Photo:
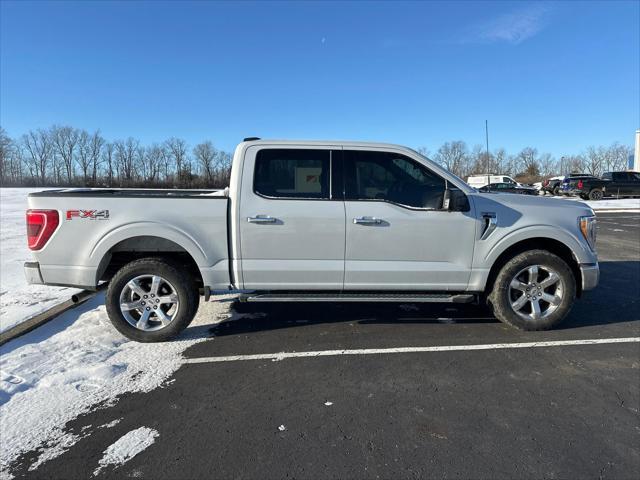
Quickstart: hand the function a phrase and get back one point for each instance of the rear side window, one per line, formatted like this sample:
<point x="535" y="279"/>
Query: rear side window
<point x="391" y="177"/>
<point x="292" y="173"/>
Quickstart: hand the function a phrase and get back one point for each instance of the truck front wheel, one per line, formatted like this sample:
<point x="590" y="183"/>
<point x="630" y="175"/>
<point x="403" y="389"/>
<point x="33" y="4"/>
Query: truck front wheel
<point x="535" y="290"/>
<point x="151" y="300"/>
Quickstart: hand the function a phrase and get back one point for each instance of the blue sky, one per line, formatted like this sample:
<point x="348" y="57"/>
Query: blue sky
<point x="558" y="76"/>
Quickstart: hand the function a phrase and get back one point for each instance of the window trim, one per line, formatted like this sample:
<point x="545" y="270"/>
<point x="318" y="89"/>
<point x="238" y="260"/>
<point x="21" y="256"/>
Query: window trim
<point x="267" y="197"/>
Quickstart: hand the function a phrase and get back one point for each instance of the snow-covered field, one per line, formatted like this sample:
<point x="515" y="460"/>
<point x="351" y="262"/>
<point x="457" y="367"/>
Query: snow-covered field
<point x="19" y="301"/>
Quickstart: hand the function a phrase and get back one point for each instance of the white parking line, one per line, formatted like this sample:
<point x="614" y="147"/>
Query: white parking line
<point x="380" y="351"/>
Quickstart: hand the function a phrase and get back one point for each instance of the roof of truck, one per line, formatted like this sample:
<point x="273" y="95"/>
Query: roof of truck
<point x="351" y="143"/>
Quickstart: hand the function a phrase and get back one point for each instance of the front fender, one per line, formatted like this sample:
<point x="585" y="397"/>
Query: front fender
<point x="580" y="249"/>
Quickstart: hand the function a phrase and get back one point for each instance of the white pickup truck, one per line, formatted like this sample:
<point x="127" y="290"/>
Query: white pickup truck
<point x="315" y="221"/>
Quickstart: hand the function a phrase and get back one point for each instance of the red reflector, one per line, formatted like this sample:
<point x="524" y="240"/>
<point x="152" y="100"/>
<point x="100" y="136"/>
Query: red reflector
<point x="580" y="184"/>
<point x="40" y="226"/>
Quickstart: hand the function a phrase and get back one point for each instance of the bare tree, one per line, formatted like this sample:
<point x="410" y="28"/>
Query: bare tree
<point x="453" y="156"/>
<point x="96" y="142"/>
<point x="5" y="152"/>
<point x="39" y="147"/>
<point x="548" y="165"/>
<point x="84" y="155"/>
<point x="108" y="158"/>
<point x="205" y="154"/>
<point x="153" y="159"/>
<point x="529" y="162"/>
<point x="595" y="159"/>
<point x="140" y="162"/>
<point x="222" y="169"/>
<point x="574" y="164"/>
<point x="501" y="161"/>
<point x="65" y="140"/>
<point x="177" y="149"/>
<point x="125" y="159"/>
<point x="617" y="157"/>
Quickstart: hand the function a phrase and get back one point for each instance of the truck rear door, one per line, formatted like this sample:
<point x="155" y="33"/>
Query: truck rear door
<point x="292" y="226"/>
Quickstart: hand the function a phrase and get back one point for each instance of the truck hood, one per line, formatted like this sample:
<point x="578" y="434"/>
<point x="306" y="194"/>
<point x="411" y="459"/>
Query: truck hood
<point x="530" y="202"/>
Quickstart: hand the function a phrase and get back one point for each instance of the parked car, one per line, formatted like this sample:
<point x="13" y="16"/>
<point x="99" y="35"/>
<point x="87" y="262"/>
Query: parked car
<point x="565" y="187"/>
<point x="479" y="181"/>
<point x="315" y="222"/>
<point x="509" y="188"/>
<point x="552" y="185"/>
<point x="617" y="184"/>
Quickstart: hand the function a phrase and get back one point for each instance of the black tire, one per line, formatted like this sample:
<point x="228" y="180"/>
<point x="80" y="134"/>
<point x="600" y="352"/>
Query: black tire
<point x="596" y="194"/>
<point x="500" y="296"/>
<point x="183" y="284"/>
<point x="556" y="191"/>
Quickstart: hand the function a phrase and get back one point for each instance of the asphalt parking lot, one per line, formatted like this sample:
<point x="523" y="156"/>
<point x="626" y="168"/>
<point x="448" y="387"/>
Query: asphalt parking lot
<point x="569" y="411"/>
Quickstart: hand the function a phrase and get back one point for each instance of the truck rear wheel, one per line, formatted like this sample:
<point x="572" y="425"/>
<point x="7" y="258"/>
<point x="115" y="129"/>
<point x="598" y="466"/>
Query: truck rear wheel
<point x="151" y="300"/>
<point x="535" y="290"/>
<point x="595" y="194"/>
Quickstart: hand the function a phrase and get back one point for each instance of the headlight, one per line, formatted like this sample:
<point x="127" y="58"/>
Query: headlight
<point x="588" y="229"/>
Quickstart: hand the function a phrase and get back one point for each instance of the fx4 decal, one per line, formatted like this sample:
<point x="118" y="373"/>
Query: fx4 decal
<point x="90" y="214"/>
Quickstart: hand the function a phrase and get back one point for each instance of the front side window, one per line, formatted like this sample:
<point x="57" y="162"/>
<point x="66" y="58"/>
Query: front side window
<point x="391" y="177"/>
<point x="292" y="173"/>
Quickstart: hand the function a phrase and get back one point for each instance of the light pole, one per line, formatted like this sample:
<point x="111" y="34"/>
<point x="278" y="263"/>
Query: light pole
<point x="486" y="132"/>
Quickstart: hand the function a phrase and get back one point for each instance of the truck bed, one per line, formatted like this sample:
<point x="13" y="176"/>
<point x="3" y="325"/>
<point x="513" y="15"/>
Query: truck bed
<point x="96" y="224"/>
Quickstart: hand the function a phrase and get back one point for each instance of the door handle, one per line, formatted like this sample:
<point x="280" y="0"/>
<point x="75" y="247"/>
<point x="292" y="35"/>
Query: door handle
<point x="262" y="219"/>
<point x="367" y="221"/>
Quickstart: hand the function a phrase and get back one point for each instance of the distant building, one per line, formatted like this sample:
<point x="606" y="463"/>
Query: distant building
<point x="634" y="162"/>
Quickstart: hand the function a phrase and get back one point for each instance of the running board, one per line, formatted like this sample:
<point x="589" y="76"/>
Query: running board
<point x="359" y="297"/>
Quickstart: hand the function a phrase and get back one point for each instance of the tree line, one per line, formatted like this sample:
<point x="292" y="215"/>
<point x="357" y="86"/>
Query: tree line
<point x="67" y="156"/>
<point x="529" y="165"/>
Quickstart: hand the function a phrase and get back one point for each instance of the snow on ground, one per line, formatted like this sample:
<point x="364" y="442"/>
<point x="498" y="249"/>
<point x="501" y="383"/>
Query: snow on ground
<point x="606" y="204"/>
<point x="127" y="447"/>
<point x="19" y="301"/>
<point x="615" y="204"/>
<point x="76" y="363"/>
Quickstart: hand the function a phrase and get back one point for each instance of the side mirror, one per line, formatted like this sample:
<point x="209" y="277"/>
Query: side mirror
<point x="455" y="200"/>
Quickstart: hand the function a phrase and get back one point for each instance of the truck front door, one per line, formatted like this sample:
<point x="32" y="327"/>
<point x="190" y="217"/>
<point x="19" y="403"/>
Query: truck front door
<point x="398" y="237"/>
<point x="292" y="229"/>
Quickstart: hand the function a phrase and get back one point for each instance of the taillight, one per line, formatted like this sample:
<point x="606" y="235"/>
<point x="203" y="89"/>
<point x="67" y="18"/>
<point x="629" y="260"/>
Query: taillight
<point x="580" y="184"/>
<point x="40" y="226"/>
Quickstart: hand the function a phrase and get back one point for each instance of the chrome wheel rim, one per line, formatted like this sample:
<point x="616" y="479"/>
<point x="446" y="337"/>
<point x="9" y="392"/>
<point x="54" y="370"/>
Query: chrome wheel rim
<point x="149" y="302"/>
<point x="536" y="292"/>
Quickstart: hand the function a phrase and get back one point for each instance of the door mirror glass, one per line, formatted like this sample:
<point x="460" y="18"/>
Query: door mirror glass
<point x="458" y="201"/>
